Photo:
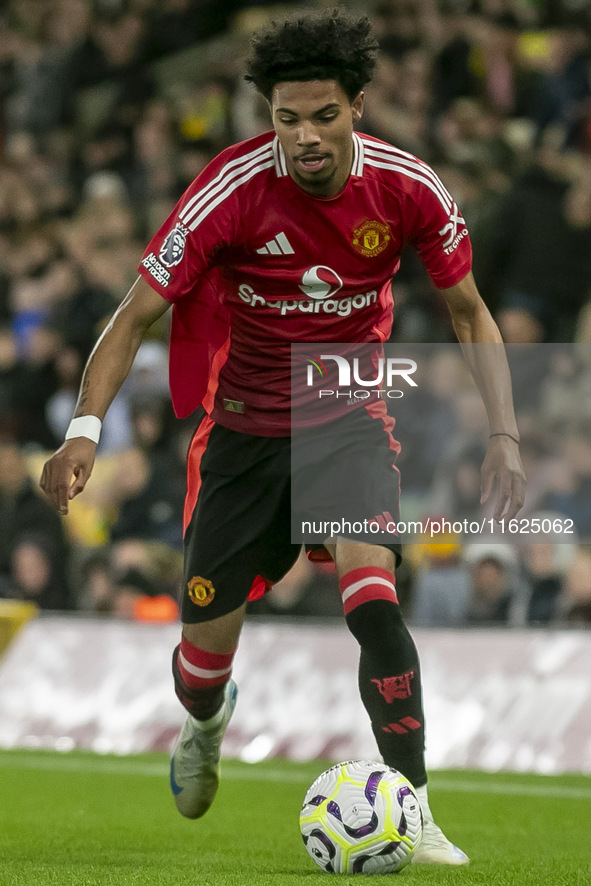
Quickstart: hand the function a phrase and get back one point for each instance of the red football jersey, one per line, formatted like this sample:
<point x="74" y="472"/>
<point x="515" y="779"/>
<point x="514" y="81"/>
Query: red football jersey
<point x="247" y="250"/>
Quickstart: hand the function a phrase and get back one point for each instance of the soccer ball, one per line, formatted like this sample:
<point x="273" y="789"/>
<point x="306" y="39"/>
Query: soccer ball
<point x="361" y="818"/>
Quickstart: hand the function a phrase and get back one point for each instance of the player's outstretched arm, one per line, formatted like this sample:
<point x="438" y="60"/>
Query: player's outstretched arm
<point x="483" y="349"/>
<point x="66" y="473"/>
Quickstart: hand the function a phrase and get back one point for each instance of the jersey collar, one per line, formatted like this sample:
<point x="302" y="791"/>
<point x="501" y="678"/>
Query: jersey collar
<point x="358" y="156"/>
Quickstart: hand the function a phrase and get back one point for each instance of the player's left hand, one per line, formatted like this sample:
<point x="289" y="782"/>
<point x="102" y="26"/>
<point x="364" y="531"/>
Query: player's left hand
<point x="503" y="463"/>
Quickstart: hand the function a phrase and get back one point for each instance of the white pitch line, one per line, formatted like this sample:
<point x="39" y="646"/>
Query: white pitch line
<point x="90" y="765"/>
<point x="237" y="772"/>
<point x="522" y="790"/>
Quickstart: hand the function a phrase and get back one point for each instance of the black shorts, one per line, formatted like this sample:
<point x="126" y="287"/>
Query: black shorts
<point x="238" y="511"/>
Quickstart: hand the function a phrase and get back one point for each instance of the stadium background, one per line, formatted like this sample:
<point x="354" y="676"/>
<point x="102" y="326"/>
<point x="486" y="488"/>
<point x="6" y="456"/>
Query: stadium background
<point x="108" y="109"/>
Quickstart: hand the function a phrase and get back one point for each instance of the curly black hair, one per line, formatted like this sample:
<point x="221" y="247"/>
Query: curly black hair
<point x="326" y="46"/>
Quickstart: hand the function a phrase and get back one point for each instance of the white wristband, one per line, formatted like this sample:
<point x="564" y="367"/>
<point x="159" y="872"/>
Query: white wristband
<point x="85" y="426"/>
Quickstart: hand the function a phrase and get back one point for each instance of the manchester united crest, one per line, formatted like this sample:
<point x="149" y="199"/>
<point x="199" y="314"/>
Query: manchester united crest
<point x="371" y="238"/>
<point x="201" y="591"/>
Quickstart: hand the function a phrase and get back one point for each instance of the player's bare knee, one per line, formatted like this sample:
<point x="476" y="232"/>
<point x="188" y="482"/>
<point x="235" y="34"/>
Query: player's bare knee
<point x="219" y="635"/>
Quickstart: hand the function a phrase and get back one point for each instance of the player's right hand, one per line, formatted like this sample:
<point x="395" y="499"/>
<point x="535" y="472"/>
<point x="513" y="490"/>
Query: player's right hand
<point x="67" y="472"/>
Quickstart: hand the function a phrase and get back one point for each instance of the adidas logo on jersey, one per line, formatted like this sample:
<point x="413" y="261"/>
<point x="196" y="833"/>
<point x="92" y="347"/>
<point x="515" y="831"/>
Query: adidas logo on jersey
<point x="279" y="245"/>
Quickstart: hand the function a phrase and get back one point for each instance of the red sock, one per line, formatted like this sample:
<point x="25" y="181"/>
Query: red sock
<point x="202" y="670"/>
<point x="365" y="584"/>
<point x="200" y="678"/>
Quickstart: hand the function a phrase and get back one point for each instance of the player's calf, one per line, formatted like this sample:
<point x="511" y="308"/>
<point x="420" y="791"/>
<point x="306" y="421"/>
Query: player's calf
<point x="389" y="673"/>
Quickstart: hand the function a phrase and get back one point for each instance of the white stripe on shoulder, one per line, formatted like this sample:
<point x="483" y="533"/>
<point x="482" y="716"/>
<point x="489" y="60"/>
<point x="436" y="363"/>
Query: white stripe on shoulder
<point x="230" y="169"/>
<point x="210" y="192"/>
<point x="404" y="159"/>
<point x="398" y="152"/>
<point x="386" y="152"/>
<point x="390" y="149"/>
<point x="230" y="188"/>
<point x="411" y="173"/>
<point x="423" y="168"/>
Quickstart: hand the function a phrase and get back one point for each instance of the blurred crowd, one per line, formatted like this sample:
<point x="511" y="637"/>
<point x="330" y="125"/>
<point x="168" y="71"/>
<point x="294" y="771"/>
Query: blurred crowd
<point x="109" y="109"/>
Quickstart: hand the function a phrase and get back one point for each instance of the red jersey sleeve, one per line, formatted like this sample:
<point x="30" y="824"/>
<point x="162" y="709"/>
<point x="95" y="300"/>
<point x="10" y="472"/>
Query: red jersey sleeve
<point x="203" y="222"/>
<point x="438" y="232"/>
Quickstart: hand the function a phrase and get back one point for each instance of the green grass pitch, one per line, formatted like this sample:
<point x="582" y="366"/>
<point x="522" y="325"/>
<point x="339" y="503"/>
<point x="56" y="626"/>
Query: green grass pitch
<point x="83" y="820"/>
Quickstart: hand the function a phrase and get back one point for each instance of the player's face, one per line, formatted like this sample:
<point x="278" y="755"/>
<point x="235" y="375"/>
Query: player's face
<point x="314" y="122"/>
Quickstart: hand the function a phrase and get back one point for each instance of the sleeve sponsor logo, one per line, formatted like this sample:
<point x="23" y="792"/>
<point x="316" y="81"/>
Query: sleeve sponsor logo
<point x="452" y="232"/>
<point x="173" y="248"/>
<point x="158" y="272"/>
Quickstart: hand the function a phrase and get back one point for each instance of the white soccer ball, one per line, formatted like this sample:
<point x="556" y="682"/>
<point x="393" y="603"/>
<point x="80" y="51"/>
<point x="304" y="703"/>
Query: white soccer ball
<point x="361" y="817"/>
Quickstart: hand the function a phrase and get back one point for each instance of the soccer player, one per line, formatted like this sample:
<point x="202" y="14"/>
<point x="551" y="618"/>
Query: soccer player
<point x="292" y="236"/>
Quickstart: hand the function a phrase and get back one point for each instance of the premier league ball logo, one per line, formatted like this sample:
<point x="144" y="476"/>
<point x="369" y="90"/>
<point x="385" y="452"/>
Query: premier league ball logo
<point x="173" y="248"/>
